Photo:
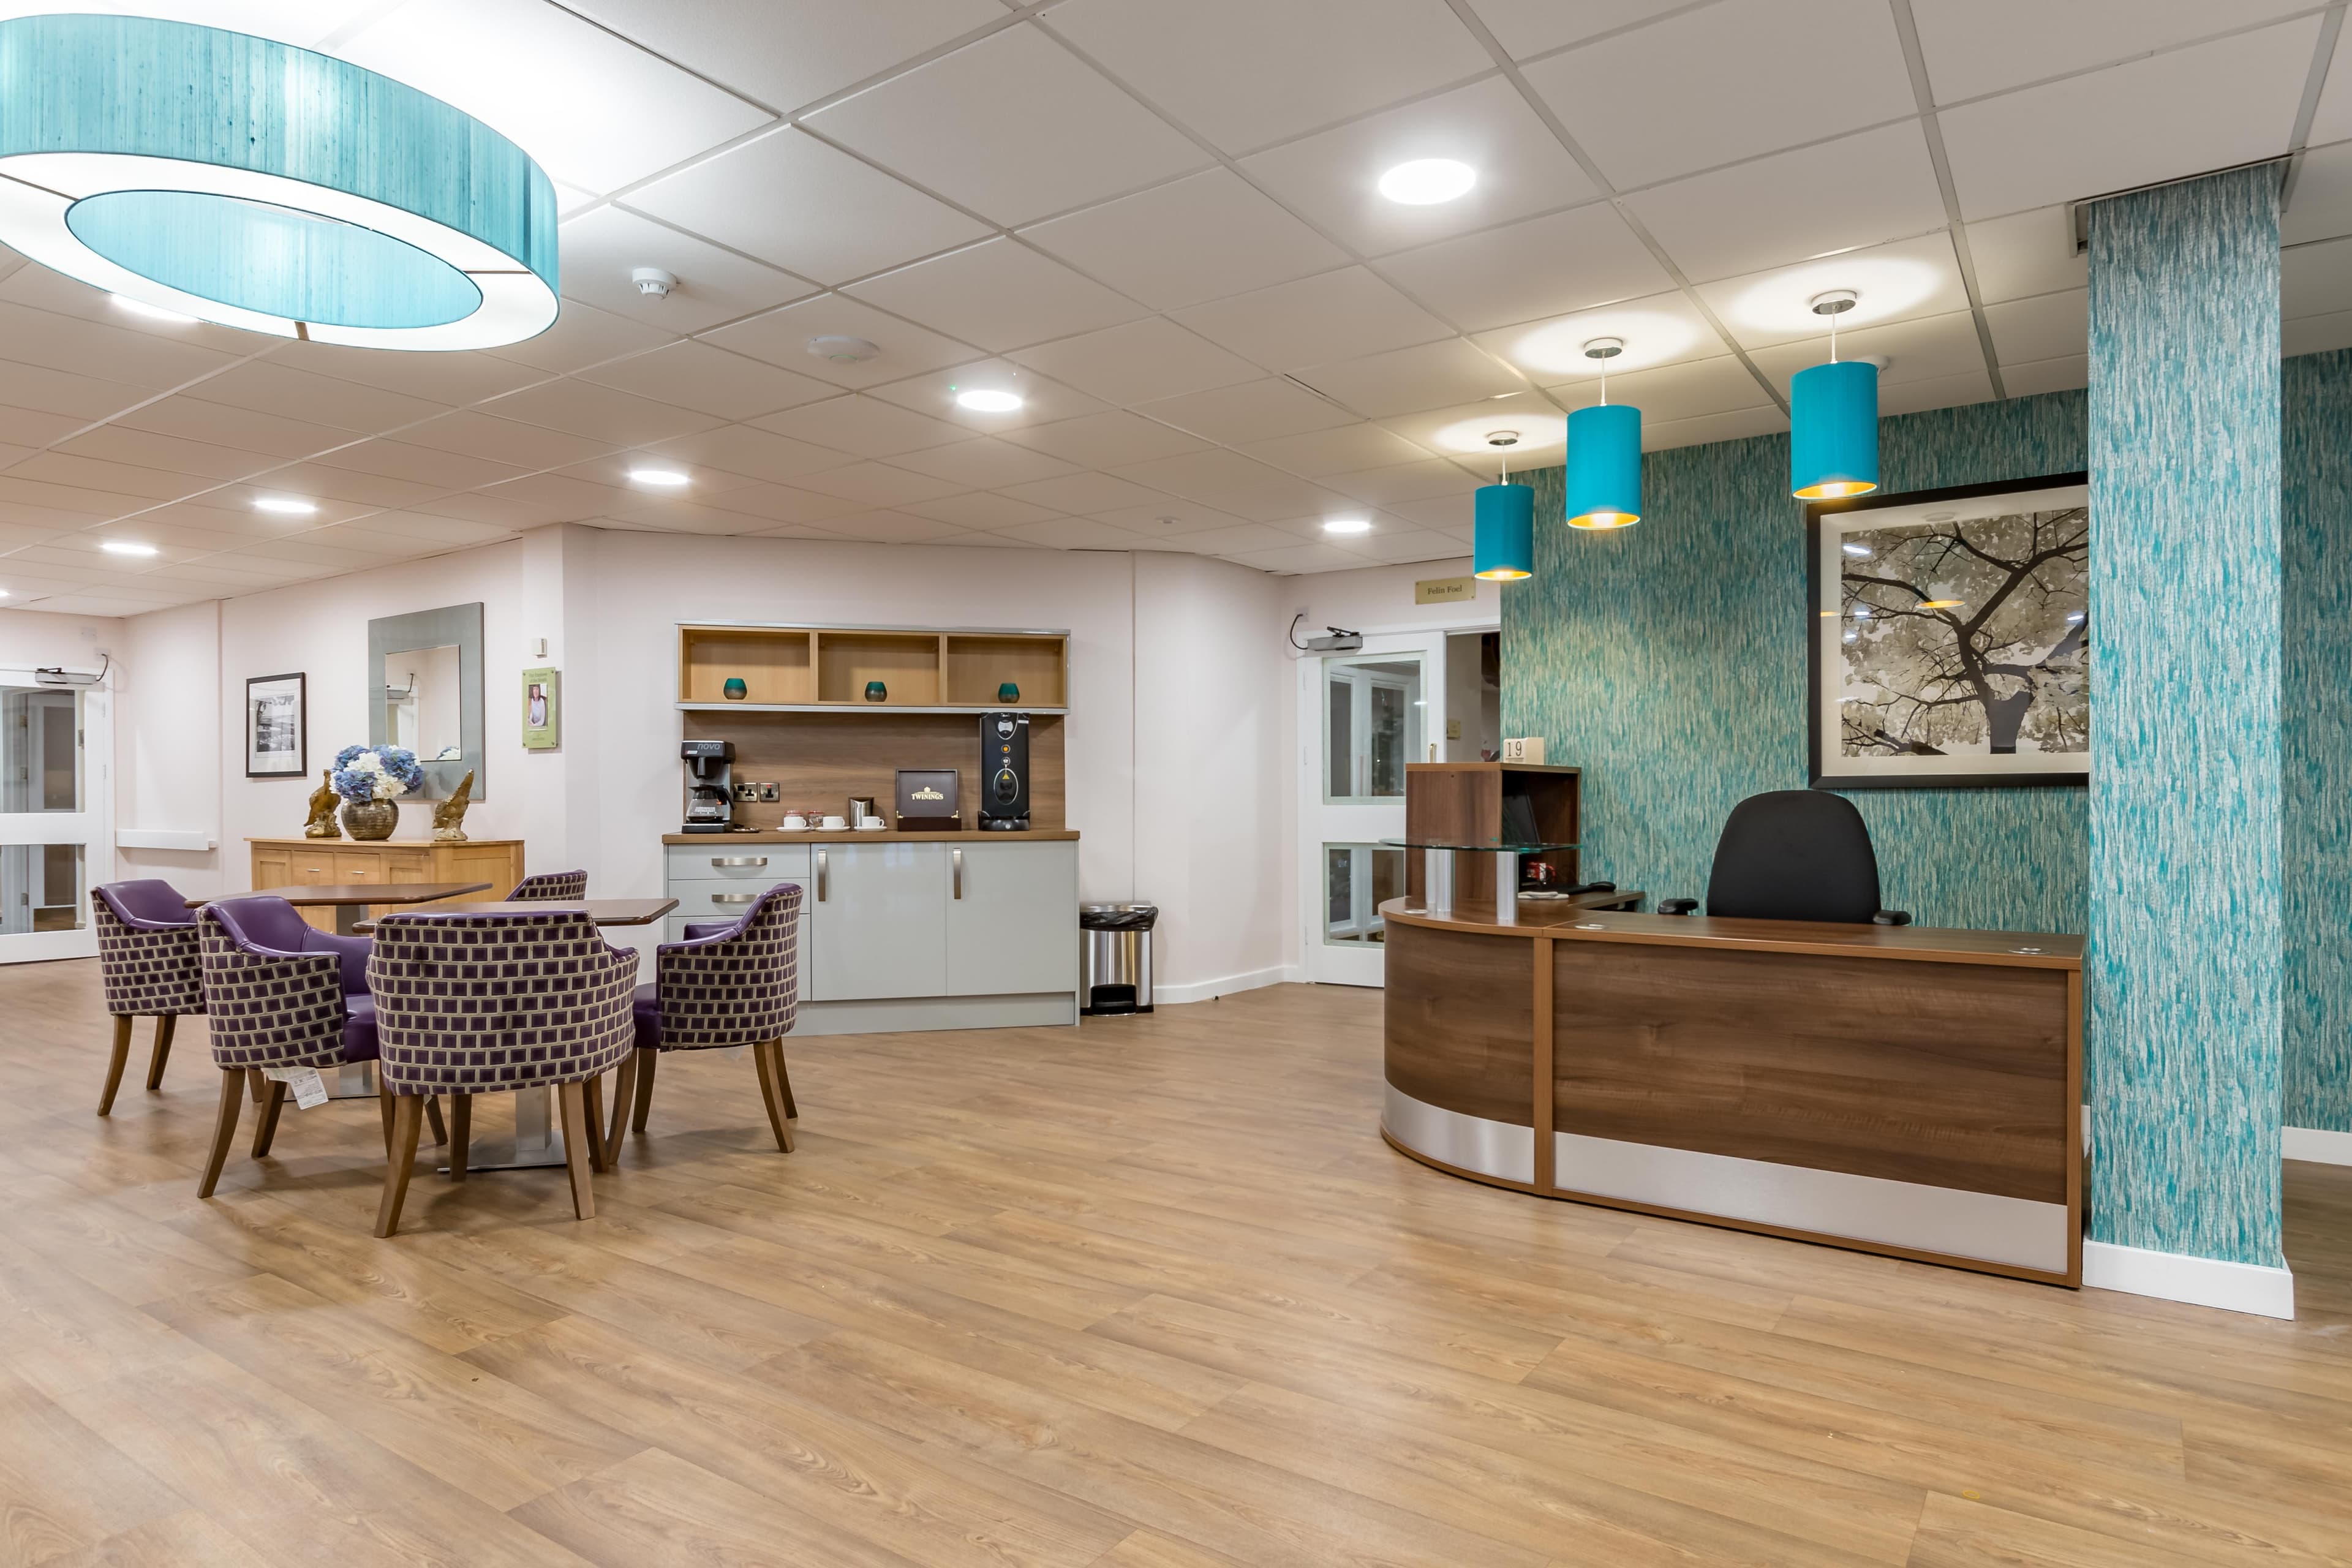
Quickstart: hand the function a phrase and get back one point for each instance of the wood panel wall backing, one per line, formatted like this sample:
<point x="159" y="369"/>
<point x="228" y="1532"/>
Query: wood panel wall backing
<point x="773" y="667"/>
<point x="977" y="666"/>
<point x="1460" y="1023"/>
<point x="820" y="759"/>
<point x="907" y="663"/>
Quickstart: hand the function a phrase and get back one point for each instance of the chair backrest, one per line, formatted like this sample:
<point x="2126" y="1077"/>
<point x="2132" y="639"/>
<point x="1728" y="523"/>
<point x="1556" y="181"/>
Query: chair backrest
<point x="270" y="924"/>
<point x="1795" y="855"/>
<point x="150" y="953"/>
<point x="558" y="886"/>
<point x="474" y="1003"/>
<point x="740" y="986"/>
<point x="269" y="1007"/>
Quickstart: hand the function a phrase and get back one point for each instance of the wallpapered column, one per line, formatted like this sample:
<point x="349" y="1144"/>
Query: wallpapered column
<point x="2182" y="976"/>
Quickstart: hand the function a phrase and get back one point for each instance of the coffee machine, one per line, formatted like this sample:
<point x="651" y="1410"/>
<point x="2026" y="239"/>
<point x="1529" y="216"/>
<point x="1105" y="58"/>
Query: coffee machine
<point x="1005" y="773"/>
<point x="710" y="784"/>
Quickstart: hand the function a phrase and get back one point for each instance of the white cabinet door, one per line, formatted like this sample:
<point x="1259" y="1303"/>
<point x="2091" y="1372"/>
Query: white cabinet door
<point x="1013" y="919"/>
<point x="877" y="921"/>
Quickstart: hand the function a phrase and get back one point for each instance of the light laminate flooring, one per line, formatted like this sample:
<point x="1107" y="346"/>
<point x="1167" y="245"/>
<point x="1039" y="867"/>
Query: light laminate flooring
<point x="1147" y="1294"/>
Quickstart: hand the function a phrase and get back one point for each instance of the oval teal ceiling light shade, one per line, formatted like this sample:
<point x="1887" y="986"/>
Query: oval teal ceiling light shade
<point x="1834" y="419"/>
<point x="1503" y="533"/>
<point x="248" y="183"/>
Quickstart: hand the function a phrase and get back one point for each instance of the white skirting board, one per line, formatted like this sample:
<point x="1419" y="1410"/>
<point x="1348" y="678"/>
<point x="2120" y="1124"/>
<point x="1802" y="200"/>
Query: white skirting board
<point x="1224" y="985"/>
<point x="2312" y="1143"/>
<point x="2199" y="1281"/>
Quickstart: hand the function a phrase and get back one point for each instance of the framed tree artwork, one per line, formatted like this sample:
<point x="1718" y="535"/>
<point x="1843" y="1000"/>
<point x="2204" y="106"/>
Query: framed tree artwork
<point x="277" y="728"/>
<point x="1951" y="633"/>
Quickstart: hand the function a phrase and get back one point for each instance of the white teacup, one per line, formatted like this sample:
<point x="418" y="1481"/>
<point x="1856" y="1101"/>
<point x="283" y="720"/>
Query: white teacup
<point x="794" y="821"/>
<point x="871" y="824"/>
<point x="836" y="824"/>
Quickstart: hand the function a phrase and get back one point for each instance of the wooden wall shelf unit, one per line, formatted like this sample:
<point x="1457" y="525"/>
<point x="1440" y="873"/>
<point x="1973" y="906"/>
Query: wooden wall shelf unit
<point x="826" y="668"/>
<point x="1462" y="802"/>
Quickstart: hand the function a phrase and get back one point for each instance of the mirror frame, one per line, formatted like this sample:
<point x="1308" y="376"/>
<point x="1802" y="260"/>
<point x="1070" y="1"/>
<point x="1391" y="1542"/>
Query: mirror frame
<point x="458" y="626"/>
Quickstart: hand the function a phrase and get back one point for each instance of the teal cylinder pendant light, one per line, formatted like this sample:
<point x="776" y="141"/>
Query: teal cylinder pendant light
<point x="238" y="180"/>
<point x="1834" y="419"/>
<point x="1503" y="533"/>
<point x="1604" y="477"/>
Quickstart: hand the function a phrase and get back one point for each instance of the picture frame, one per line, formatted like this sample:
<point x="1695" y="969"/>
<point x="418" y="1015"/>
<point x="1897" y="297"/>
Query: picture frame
<point x="542" y="709"/>
<point x="277" y="727"/>
<point x="1959" y="658"/>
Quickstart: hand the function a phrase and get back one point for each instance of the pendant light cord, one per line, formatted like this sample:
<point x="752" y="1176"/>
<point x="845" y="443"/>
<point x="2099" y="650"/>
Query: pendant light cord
<point x="1834" y="336"/>
<point x="1604" y="383"/>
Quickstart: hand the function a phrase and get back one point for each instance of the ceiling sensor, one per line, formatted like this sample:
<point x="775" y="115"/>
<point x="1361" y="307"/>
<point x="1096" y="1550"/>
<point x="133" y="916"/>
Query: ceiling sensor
<point x="1604" y="348"/>
<point x="1836" y="302"/>
<point x="842" y="349"/>
<point x="1502" y="437"/>
<point x="653" y="281"/>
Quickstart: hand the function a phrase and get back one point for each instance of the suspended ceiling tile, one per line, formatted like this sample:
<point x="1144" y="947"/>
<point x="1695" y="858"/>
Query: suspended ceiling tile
<point x="2333" y="122"/>
<point x="81" y="398"/>
<point x="1527" y="27"/>
<point x="1460" y="433"/>
<point x="2315" y="279"/>
<point x="1252" y="411"/>
<point x="231" y="512"/>
<point x="1669" y="434"/>
<point x="112" y="478"/>
<point x="456" y="379"/>
<point x="596" y="110"/>
<point x="782" y="337"/>
<point x="1401" y="482"/>
<point x="865" y="426"/>
<point x="503" y="441"/>
<point x="442" y="531"/>
<point x="42" y="289"/>
<point x="1973" y="47"/>
<point x="269" y="388"/>
<point x="1085" y="494"/>
<point x="818" y="211"/>
<point x="146" y="448"/>
<point x="992" y="540"/>
<point x="784" y="503"/>
<point x="1725" y="82"/>
<point x="1919" y="350"/>
<point x="71" y="506"/>
<point x="2316" y="334"/>
<point x="1859" y="190"/>
<point x="1440" y="512"/>
<point x="1140" y="361"/>
<point x="1935" y="392"/>
<point x="1403" y="545"/>
<point x="1244" y="73"/>
<point x="1242" y="536"/>
<point x="2162" y="117"/>
<point x="1071" y="534"/>
<point x="1296" y="558"/>
<point x="2026" y="253"/>
<point x="1333" y="178"/>
<point x="1001" y="295"/>
<point x="2321" y="204"/>
<point x="790" y="53"/>
<point x="223" y="424"/>
<point x="1344" y="448"/>
<point x="2047" y="375"/>
<point x="1543" y="267"/>
<point x="531" y="502"/>
<point x="1405" y="381"/>
<point x="1316" y="321"/>
<point x="711" y="381"/>
<point x="1658" y="329"/>
<point x="1170" y="517"/>
<point x="1043" y="401"/>
<point x="734" y="454"/>
<point x="600" y="413"/>
<point x="1905" y="282"/>
<point x="983" y="463"/>
<point x="35" y="428"/>
<point x="118" y="354"/>
<point x="1685" y="391"/>
<point x="893" y="528"/>
<point x="1106" y="440"/>
<point x="1230" y="483"/>
<point x="878" y="484"/>
<point x="603" y="248"/>
<point x="2049" y="326"/>
<point x="440" y="470"/>
<point x="583" y="335"/>
<point x="979" y="511"/>
<point x="317" y="482"/>
<point x="1014" y="127"/>
<point x="1203" y="237"/>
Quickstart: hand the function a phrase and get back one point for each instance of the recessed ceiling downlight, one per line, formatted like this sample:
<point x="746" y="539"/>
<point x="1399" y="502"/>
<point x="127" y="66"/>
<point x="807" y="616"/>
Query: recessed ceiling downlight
<point x="988" y="400"/>
<point x="1348" y="525"/>
<point x="126" y="547"/>
<point x="284" y="505"/>
<point x="238" y="180"/>
<point x="661" y="479"/>
<point x="1427" y="182"/>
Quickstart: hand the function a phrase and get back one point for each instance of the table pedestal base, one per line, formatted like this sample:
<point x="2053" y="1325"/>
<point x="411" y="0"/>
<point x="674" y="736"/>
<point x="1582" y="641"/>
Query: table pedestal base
<point x="537" y="1142"/>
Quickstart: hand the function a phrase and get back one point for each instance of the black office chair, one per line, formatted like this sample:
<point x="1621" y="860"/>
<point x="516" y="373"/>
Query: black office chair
<point x="1794" y="854"/>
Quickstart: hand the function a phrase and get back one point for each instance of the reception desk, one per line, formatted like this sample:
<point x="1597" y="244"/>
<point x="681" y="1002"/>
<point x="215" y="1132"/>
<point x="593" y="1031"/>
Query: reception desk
<point x="1893" y="1089"/>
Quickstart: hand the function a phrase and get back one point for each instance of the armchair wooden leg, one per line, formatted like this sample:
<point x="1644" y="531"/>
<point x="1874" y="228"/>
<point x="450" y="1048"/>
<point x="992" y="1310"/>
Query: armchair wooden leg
<point x="785" y="1083"/>
<point x="432" y="1118"/>
<point x="163" y="1028"/>
<point x="625" y="1095"/>
<point x="573" y="1099"/>
<point x="231" y="1102"/>
<point x="461" y="1133"/>
<point x="265" y="1126"/>
<point x="256" y="1083"/>
<point x="407" y="1121"/>
<point x="383" y="1105"/>
<point x="119" y="1054"/>
<point x="765" y="1054"/>
<point x="646" y="1062"/>
<point x="591" y="1110"/>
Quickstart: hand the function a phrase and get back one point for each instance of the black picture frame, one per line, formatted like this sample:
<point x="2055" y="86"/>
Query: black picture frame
<point x="300" y="751"/>
<point x="1822" y="775"/>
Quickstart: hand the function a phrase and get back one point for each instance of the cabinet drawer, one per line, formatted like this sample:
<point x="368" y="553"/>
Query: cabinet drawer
<point x="766" y="864"/>
<point x="726" y="901"/>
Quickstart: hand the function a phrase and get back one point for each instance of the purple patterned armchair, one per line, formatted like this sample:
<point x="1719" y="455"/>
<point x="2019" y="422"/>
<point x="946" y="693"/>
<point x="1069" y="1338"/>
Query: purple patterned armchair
<point x="148" y="960"/>
<point x="470" y="1005"/>
<point x="278" y="994"/>
<point x="558" y="886"/>
<point x="729" y="983"/>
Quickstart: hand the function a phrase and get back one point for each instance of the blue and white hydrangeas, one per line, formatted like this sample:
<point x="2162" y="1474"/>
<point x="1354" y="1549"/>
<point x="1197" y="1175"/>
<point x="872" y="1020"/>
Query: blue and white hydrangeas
<point x="375" y="772"/>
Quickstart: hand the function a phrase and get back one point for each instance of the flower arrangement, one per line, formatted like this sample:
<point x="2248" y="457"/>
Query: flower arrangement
<point x="375" y="772"/>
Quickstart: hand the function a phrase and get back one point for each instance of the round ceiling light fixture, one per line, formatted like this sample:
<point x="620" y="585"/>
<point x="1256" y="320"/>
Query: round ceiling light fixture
<point x="1346" y="525"/>
<point x="126" y="547"/>
<point x="1882" y="288"/>
<point x="284" y="505"/>
<point x="661" y="479"/>
<point x="1427" y="182"/>
<point x="1534" y="431"/>
<point x="243" y="182"/>
<point x="987" y="399"/>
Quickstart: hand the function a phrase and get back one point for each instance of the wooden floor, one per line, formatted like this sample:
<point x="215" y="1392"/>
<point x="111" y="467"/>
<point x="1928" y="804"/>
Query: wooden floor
<point x="1148" y="1294"/>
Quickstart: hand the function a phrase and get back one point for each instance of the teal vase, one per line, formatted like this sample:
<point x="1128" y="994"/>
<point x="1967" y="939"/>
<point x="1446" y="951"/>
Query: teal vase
<point x="735" y="688"/>
<point x="1008" y="692"/>
<point x="876" y="693"/>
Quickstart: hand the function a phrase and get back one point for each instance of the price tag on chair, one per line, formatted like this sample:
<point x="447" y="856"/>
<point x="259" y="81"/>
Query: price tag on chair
<point x="308" y="1087"/>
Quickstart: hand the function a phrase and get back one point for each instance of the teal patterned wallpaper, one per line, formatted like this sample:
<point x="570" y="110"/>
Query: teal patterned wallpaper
<point x="2182" y="970"/>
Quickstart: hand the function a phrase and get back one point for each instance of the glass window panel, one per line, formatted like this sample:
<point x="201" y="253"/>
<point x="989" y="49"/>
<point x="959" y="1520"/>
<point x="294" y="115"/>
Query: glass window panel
<point x="1340" y="753"/>
<point x="1357" y="878"/>
<point x="41" y="889"/>
<point x="40" y="749"/>
<point x="1373" y="721"/>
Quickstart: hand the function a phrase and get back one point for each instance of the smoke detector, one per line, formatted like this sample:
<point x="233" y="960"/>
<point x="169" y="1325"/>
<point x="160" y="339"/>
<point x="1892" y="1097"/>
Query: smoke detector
<point x="842" y="349"/>
<point x="653" y="281"/>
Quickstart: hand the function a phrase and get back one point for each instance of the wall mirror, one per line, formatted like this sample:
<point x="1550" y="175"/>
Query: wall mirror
<point x="426" y="671"/>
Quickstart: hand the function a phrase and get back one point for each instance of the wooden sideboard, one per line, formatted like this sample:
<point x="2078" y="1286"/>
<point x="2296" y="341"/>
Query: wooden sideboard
<point x="320" y="862"/>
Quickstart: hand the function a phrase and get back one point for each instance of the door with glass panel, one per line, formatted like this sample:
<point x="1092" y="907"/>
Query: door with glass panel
<point x="1368" y="713"/>
<point x="54" y="810"/>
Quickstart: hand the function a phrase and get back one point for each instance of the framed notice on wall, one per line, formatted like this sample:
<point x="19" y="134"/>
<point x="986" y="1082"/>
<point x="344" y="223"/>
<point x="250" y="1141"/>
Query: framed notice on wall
<point x="1951" y="633"/>
<point x="542" y="709"/>
<point x="277" y="728"/>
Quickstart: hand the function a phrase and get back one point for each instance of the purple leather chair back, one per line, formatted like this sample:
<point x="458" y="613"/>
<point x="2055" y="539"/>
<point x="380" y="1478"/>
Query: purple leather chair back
<point x="738" y="986"/>
<point x="474" y="1003"/>
<point x="150" y="956"/>
<point x="273" y="925"/>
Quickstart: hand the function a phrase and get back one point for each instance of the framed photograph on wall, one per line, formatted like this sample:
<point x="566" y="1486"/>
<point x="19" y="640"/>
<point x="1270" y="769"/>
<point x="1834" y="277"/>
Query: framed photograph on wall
<point x="277" y="728"/>
<point x="1951" y="633"/>
<point x="542" y="709"/>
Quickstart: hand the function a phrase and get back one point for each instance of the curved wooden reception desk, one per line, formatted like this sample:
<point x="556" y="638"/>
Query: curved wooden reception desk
<point x="1892" y="1089"/>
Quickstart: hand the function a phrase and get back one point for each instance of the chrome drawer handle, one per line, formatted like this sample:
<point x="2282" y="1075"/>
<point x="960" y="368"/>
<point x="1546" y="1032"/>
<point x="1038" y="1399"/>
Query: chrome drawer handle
<point x="734" y="898"/>
<point x="820" y="875"/>
<point x="739" y="860"/>
<point x="959" y="873"/>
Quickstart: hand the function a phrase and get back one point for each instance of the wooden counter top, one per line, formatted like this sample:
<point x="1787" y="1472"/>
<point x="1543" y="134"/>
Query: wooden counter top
<point x="1918" y="944"/>
<point x="888" y="835"/>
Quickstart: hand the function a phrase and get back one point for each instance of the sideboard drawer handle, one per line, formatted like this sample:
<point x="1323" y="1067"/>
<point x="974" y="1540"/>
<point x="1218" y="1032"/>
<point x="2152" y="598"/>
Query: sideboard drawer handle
<point x="723" y="860"/>
<point x="734" y="898"/>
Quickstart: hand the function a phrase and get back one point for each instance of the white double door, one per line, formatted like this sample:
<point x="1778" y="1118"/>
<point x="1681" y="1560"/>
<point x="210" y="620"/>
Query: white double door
<point x="57" y="837"/>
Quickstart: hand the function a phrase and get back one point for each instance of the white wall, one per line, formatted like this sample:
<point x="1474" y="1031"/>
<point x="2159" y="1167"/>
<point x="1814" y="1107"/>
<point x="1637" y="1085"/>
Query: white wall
<point x="170" y="760"/>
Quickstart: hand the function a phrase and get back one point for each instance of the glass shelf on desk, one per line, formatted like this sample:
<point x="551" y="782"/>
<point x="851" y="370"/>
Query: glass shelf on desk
<point x="1437" y="869"/>
<point x="1489" y="848"/>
